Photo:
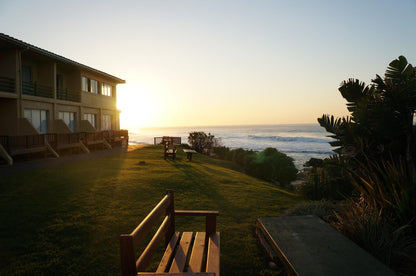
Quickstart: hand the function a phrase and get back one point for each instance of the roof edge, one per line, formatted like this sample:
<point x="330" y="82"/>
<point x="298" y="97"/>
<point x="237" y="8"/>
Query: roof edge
<point x="23" y="44"/>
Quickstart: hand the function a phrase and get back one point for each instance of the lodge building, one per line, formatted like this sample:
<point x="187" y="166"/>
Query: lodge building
<point x="52" y="102"/>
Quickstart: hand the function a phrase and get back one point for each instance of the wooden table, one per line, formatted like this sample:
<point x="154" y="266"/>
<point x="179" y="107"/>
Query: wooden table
<point x="189" y="153"/>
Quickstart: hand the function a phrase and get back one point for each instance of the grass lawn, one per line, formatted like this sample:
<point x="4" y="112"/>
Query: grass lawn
<point x="67" y="219"/>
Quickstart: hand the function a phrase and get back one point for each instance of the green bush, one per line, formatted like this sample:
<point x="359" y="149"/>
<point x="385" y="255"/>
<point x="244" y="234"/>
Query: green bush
<point x="270" y="164"/>
<point x="330" y="181"/>
<point x="221" y="152"/>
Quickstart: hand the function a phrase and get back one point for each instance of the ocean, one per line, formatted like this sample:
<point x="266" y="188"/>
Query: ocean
<point x="299" y="141"/>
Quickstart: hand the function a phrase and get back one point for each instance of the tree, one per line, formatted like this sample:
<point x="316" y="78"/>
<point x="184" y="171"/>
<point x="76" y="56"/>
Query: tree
<point x="201" y="142"/>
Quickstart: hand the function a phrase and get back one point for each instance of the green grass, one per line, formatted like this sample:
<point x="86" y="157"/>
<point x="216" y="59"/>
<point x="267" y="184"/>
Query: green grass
<point x="67" y="219"/>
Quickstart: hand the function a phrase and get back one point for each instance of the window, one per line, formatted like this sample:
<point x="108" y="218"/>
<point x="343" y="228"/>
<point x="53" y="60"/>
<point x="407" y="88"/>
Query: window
<point x="92" y="118"/>
<point x="106" y="124"/>
<point x="68" y="118"/>
<point x="84" y="84"/>
<point x="106" y="89"/>
<point x="94" y="86"/>
<point x="26" y="73"/>
<point x="59" y="84"/>
<point x="38" y="118"/>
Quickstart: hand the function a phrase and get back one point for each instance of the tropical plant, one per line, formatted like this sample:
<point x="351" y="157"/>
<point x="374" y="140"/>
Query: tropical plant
<point x="380" y="124"/>
<point x="377" y="142"/>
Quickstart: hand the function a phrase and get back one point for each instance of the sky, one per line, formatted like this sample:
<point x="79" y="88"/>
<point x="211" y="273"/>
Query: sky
<point x="228" y="62"/>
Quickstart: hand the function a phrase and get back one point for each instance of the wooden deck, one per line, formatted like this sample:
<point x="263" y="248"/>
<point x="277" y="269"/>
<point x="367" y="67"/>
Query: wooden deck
<point x="309" y="246"/>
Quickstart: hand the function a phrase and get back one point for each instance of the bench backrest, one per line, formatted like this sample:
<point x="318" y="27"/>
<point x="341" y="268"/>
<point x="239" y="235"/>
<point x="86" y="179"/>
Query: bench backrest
<point x="129" y="242"/>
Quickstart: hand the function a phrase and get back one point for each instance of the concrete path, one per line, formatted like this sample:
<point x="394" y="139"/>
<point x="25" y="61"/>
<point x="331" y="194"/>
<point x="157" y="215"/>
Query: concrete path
<point x="66" y="159"/>
<point x="309" y="246"/>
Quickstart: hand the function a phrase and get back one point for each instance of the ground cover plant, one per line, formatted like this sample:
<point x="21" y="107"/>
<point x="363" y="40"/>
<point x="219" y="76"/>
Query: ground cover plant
<point x="67" y="219"/>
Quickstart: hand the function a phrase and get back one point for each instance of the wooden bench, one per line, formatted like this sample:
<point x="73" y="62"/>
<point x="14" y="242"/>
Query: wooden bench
<point x="170" y="150"/>
<point x="179" y="258"/>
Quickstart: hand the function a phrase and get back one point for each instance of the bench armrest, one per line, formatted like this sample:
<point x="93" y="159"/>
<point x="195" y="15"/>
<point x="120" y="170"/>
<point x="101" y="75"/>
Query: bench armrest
<point x="196" y="213"/>
<point x="210" y="218"/>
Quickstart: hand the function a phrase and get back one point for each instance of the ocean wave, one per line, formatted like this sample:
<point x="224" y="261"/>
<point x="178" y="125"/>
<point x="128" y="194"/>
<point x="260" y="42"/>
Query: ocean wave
<point x="290" y="139"/>
<point x="309" y="151"/>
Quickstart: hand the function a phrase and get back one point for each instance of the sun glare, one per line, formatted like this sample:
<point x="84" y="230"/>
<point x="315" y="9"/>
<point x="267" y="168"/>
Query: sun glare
<point x="137" y="107"/>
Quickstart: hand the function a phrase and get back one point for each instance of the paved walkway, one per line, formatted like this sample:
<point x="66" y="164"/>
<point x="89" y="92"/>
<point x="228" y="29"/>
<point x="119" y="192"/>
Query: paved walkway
<point x="63" y="160"/>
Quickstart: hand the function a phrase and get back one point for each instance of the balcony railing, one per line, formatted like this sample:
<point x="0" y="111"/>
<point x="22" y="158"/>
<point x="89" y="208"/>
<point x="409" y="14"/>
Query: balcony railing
<point x="27" y="143"/>
<point x="14" y="144"/>
<point x="7" y="85"/>
<point x="68" y="95"/>
<point x="35" y="89"/>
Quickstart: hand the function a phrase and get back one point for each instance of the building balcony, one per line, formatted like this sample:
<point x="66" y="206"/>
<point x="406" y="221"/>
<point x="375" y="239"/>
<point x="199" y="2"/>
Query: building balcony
<point x="68" y="95"/>
<point x="7" y="85"/>
<point x="35" y="89"/>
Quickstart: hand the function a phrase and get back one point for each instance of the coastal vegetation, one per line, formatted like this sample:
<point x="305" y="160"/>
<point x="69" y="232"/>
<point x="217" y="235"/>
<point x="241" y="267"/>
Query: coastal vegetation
<point x="374" y="166"/>
<point x="67" y="219"/>
<point x="269" y="164"/>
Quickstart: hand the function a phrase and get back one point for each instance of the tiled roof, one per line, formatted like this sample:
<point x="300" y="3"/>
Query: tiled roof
<point x="25" y="45"/>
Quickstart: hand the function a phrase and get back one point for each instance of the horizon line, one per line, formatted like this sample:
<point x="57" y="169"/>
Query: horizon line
<point x="236" y="125"/>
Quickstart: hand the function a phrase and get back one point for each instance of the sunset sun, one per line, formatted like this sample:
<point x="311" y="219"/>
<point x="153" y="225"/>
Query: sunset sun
<point x="137" y="106"/>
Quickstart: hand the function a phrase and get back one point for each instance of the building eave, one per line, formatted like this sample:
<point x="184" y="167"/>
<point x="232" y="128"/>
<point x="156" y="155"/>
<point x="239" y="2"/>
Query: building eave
<point x="41" y="51"/>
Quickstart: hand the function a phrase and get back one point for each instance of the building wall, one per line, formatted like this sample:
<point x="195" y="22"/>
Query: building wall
<point x="44" y="71"/>
<point x="8" y="116"/>
<point x="8" y="63"/>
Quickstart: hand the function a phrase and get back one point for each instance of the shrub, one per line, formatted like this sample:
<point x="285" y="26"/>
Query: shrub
<point x="323" y="209"/>
<point x="371" y="229"/>
<point x="329" y="181"/>
<point x="221" y="152"/>
<point x="270" y="164"/>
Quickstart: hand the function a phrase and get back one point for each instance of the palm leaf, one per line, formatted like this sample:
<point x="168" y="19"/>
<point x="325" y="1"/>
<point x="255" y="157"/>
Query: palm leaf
<point x="399" y="70"/>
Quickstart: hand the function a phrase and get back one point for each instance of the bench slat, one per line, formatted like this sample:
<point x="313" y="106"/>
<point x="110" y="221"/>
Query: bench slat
<point x="168" y="255"/>
<point x="147" y="254"/>
<point x="143" y="229"/>
<point x="213" y="255"/>
<point x="197" y="256"/>
<point x="181" y="255"/>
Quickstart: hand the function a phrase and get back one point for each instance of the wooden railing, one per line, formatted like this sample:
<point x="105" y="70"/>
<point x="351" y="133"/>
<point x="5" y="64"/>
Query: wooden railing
<point x="171" y="140"/>
<point x="7" y="85"/>
<point x="35" y="89"/>
<point x="58" y="139"/>
<point x="13" y="144"/>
